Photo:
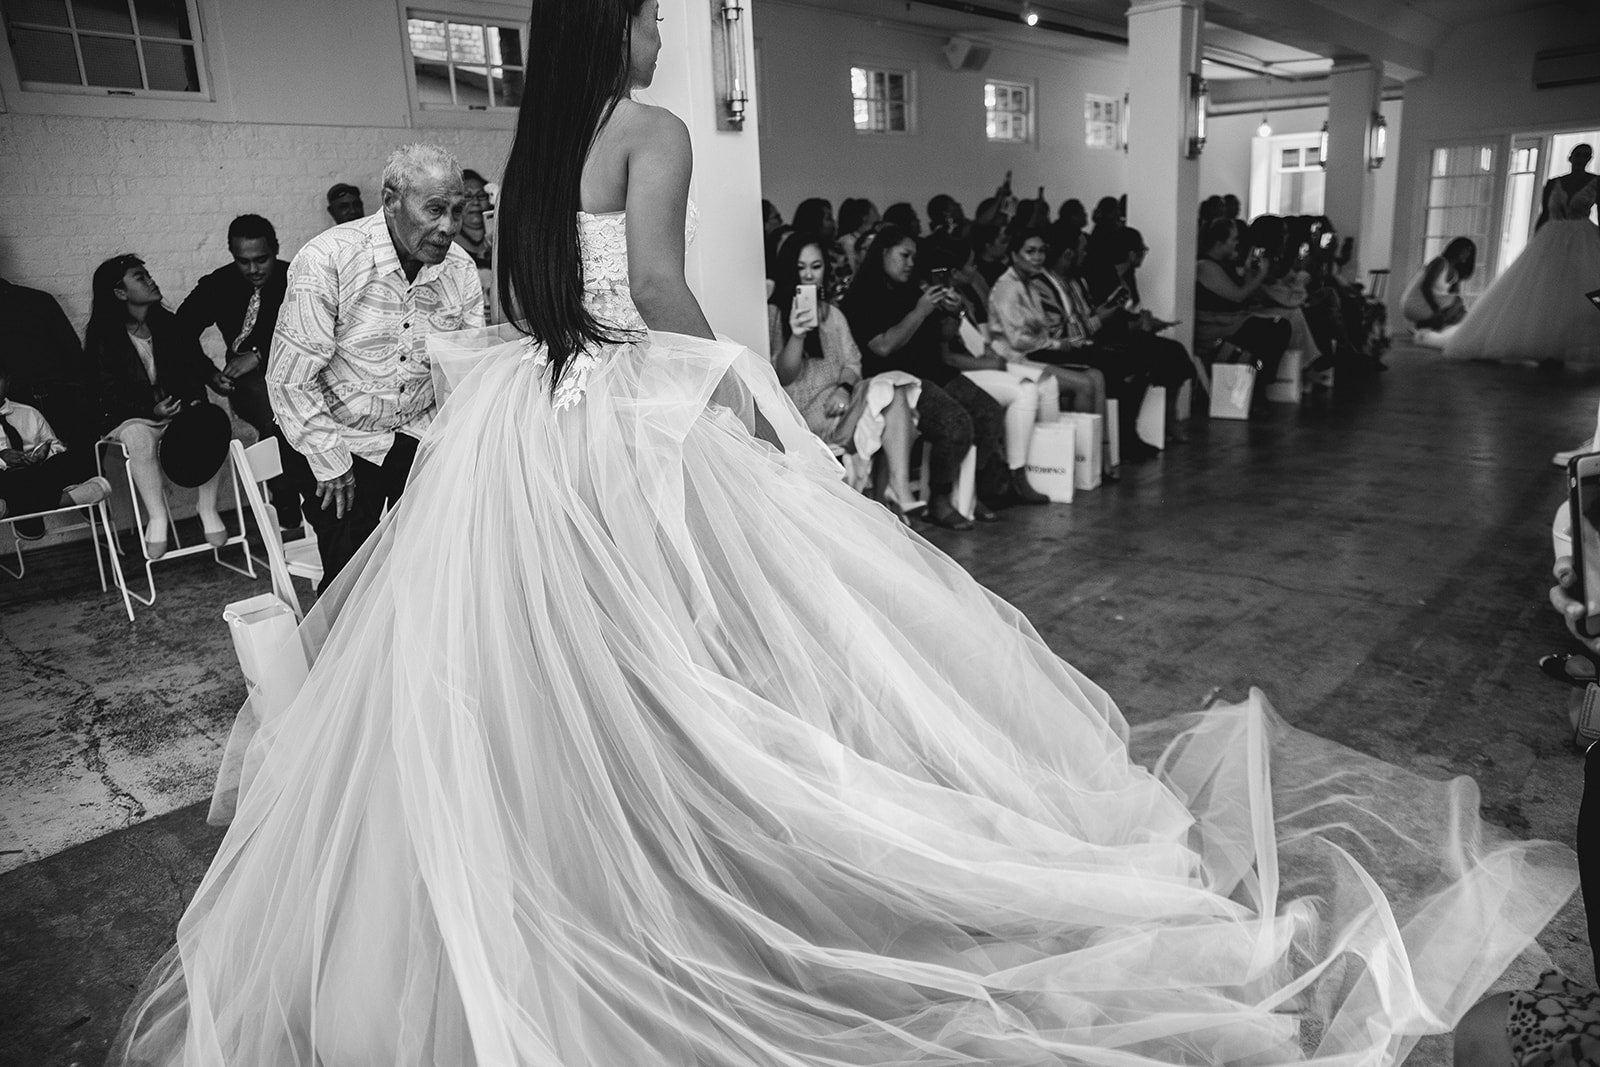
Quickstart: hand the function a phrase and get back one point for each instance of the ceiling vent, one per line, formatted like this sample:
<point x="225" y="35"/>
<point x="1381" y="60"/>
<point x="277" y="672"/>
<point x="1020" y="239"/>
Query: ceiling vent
<point x="963" y="54"/>
<point x="1557" y="67"/>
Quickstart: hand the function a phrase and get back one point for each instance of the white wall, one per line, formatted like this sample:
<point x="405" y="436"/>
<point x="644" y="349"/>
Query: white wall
<point x="1482" y="87"/>
<point x="809" y="146"/>
<point x="1225" y="168"/>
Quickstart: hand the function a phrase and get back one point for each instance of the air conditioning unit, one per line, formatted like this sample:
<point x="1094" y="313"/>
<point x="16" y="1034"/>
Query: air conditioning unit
<point x="963" y="54"/>
<point x="1557" y="67"/>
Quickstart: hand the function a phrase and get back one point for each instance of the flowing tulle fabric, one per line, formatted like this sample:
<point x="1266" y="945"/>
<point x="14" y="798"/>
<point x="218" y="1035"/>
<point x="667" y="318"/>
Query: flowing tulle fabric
<point x="1536" y="309"/>
<point x="631" y="739"/>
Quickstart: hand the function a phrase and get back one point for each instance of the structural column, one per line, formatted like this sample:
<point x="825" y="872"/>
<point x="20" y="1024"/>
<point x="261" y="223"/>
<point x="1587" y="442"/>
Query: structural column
<point x="1163" y="183"/>
<point x="1353" y="95"/>
<point x="726" y="265"/>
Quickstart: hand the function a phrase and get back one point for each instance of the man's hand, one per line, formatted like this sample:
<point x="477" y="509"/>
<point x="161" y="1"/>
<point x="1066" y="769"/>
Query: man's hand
<point x="241" y="363"/>
<point x="338" y="493"/>
<point x="14" y="458"/>
<point x="1571" y="608"/>
<point x="222" y="383"/>
<point x="167" y="407"/>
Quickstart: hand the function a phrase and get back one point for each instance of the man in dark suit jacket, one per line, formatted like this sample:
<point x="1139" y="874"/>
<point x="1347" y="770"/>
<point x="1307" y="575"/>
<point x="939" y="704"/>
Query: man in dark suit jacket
<point x="242" y="301"/>
<point x="48" y="370"/>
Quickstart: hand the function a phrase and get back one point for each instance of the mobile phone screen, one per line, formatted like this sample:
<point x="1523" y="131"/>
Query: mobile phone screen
<point x="939" y="276"/>
<point x="1584" y="480"/>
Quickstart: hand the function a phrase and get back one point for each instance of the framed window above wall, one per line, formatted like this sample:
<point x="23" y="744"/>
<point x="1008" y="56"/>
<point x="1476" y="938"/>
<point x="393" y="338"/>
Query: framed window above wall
<point x="882" y="100"/>
<point x="1008" y="111"/>
<point x="462" y="63"/>
<point x="1102" y="121"/>
<point x="126" y="48"/>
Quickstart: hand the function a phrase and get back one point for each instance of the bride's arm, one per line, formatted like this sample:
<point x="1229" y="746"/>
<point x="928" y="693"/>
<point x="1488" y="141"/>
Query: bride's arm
<point x="659" y="164"/>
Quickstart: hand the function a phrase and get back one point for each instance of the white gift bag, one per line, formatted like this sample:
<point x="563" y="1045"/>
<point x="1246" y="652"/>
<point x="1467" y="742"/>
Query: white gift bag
<point x="1231" y="386"/>
<point x="1088" y="448"/>
<point x="1052" y="453"/>
<point x="1152" y="423"/>
<point x="1285" y="388"/>
<point x="267" y="641"/>
<point x="1113" y="435"/>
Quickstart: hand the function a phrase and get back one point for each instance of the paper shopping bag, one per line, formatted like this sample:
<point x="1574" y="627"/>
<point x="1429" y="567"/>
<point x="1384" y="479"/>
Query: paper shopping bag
<point x="1088" y="455"/>
<point x="1052" y="459"/>
<point x="1231" y="386"/>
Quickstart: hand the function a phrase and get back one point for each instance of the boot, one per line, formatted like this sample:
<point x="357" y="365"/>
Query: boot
<point x="1024" y="493"/>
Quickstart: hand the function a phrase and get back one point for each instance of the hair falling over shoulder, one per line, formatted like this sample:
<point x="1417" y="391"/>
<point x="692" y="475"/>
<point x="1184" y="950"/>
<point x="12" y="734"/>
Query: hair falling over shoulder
<point x="578" y="69"/>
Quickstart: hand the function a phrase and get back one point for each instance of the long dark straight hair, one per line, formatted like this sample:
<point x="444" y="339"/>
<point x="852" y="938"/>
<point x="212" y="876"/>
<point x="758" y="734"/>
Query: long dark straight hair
<point x="579" y="65"/>
<point x="108" y="313"/>
<point x="786" y="275"/>
<point x="871" y="280"/>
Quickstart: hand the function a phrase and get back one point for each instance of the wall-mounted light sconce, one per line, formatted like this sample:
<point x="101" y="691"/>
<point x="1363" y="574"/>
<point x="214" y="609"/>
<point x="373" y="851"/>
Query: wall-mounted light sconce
<point x="1377" y="140"/>
<point x="1029" y="15"/>
<point x="1322" y="147"/>
<point x="1199" y="104"/>
<point x="1122" y="123"/>
<point x="728" y="64"/>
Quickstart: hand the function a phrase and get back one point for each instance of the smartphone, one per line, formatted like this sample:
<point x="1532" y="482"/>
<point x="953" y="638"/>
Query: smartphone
<point x="939" y="276"/>
<point x="1253" y="260"/>
<point x="1583" y="503"/>
<point x="805" y="300"/>
<point x="1594" y="297"/>
<point x="1327" y="239"/>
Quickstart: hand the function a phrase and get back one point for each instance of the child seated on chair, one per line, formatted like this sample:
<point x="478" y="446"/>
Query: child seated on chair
<point x="34" y="472"/>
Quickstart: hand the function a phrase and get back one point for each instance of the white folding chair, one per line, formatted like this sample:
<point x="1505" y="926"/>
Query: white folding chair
<point x="112" y="446"/>
<point x="98" y="523"/>
<point x="253" y="467"/>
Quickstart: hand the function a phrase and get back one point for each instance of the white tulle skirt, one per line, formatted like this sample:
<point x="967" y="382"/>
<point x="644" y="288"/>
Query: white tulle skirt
<point x="1536" y="310"/>
<point x="631" y="740"/>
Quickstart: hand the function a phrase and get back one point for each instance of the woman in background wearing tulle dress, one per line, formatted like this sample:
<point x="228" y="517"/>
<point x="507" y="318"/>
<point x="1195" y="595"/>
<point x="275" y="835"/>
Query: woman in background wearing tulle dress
<point x="1536" y="308"/>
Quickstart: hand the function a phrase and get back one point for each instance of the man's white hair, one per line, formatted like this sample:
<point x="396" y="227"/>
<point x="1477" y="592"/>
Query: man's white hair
<point x="409" y="162"/>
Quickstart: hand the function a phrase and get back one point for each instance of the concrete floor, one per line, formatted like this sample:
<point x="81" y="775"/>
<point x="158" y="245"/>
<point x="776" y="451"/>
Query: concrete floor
<point x="1377" y="566"/>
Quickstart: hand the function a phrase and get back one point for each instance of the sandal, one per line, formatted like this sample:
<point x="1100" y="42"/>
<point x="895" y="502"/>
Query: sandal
<point x="949" y="518"/>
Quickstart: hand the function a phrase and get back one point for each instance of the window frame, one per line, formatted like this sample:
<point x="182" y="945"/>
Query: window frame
<point x="459" y="116"/>
<point x="75" y="96"/>
<point x="875" y="66"/>
<point x="1030" y="121"/>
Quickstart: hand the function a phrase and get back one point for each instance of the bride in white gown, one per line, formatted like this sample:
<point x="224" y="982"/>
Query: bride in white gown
<point x="1536" y="309"/>
<point x="634" y="739"/>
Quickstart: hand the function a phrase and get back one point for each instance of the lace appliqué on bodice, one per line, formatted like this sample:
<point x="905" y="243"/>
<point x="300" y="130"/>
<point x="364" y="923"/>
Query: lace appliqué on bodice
<point x="603" y="241"/>
<point x="1578" y="205"/>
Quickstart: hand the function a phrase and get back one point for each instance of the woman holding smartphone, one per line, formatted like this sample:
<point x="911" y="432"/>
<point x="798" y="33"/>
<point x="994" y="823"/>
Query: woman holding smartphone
<point x="1222" y="295"/>
<point x="819" y="365"/>
<point x="899" y="326"/>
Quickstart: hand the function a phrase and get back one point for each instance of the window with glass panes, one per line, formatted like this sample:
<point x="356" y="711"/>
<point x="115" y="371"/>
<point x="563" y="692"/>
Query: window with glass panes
<point x="1008" y="111"/>
<point x="118" y="47"/>
<point x="465" y="63"/>
<point x="882" y="100"/>
<point x="1461" y="203"/>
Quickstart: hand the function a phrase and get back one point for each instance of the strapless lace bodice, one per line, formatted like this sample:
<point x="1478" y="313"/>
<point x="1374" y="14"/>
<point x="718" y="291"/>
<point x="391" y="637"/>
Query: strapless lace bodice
<point x="603" y="245"/>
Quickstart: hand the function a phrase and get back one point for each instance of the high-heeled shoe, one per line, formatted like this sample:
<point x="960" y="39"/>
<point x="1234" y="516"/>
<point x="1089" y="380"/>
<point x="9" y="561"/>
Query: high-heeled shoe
<point x="1558" y="665"/>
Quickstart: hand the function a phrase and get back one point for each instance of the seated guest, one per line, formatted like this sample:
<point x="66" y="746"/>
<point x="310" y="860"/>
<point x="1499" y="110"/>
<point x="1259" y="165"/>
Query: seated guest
<point x="48" y="370"/>
<point x="1432" y="299"/>
<point x="475" y="237"/>
<point x="1131" y="327"/>
<point x="1070" y="221"/>
<point x="991" y="249"/>
<point x="945" y="216"/>
<point x="773" y="231"/>
<point x="150" y="369"/>
<point x="344" y="203"/>
<point x="817" y="361"/>
<point x="35" y="474"/>
<point x="1026" y="395"/>
<point x="1222" y="298"/>
<point x="242" y="301"/>
<point x="904" y="217"/>
<point x="814" y="218"/>
<point x="1030" y="338"/>
<point x="1107" y="221"/>
<point x="857" y="217"/>
<point x="898" y="326"/>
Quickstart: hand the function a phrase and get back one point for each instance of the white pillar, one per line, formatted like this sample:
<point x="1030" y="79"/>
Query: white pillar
<point x="1163" y="183"/>
<point x="1353" y="94"/>
<point x="726" y="265"/>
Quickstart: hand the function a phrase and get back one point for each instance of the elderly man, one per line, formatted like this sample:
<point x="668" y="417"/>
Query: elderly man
<point x="242" y="301"/>
<point x="350" y="375"/>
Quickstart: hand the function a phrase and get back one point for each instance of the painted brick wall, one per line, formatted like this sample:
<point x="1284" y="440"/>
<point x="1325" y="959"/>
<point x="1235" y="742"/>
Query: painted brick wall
<point x="74" y="191"/>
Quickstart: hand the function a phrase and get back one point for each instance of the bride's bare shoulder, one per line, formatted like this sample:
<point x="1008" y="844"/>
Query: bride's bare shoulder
<point x="646" y="125"/>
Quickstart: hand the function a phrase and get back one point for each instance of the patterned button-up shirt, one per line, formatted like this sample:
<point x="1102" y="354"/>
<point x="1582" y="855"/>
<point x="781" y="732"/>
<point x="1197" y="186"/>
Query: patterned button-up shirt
<point x="349" y="365"/>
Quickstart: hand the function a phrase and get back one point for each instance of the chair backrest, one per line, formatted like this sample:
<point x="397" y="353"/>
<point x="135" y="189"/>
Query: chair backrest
<point x="1377" y="284"/>
<point x="255" y="465"/>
